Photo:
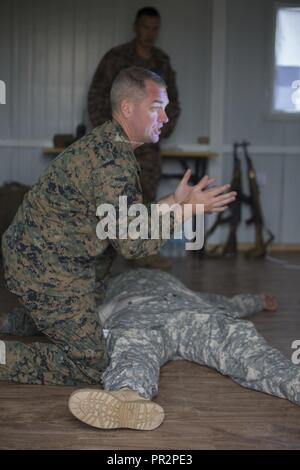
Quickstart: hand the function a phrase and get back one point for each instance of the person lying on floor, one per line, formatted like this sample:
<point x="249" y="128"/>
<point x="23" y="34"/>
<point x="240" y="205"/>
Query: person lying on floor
<point x="152" y="318"/>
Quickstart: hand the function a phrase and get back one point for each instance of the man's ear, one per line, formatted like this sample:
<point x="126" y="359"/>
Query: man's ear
<point x="126" y="108"/>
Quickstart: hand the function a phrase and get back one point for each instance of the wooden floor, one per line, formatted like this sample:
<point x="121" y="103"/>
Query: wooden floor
<point x="203" y="409"/>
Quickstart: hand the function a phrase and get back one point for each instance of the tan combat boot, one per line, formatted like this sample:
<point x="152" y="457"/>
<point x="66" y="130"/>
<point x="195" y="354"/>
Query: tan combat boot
<point x="115" y="409"/>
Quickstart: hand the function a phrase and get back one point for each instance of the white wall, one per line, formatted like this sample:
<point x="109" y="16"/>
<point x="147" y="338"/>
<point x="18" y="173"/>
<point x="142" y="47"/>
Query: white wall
<point x="50" y="49"/>
<point x="275" y="142"/>
<point x="248" y="81"/>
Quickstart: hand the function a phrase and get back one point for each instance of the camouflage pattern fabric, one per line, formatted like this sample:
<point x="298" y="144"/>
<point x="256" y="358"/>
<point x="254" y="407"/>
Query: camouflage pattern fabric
<point x="99" y="108"/>
<point x="149" y="159"/>
<point x="53" y="255"/>
<point x="77" y="353"/>
<point x="153" y="318"/>
<point x="51" y="245"/>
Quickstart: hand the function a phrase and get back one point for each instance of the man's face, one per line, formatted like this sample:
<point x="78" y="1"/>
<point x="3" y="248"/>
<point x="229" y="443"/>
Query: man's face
<point x="148" y="115"/>
<point x="147" y="29"/>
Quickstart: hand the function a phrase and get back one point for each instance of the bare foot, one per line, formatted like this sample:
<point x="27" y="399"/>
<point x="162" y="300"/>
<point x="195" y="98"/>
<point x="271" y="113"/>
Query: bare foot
<point x="269" y="302"/>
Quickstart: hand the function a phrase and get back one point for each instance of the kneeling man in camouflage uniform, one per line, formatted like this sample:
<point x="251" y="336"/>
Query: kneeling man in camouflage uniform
<point x="152" y="318"/>
<point x="51" y="250"/>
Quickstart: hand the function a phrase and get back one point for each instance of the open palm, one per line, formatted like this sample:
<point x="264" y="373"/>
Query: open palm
<point x="214" y="199"/>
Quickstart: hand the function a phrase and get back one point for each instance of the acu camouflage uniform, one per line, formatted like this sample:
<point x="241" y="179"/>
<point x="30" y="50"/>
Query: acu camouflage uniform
<point x="153" y="318"/>
<point x="99" y="109"/>
<point x="50" y="252"/>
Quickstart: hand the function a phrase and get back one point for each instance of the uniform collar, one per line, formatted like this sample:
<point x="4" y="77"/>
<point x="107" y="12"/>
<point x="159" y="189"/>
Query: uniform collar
<point x="121" y="135"/>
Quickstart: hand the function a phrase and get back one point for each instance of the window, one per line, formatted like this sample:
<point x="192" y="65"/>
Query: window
<point x="286" y="87"/>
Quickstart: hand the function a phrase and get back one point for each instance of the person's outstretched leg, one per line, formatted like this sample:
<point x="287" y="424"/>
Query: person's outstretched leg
<point x="131" y="379"/>
<point x="235" y="348"/>
<point x="136" y="355"/>
<point x="122" y="408"/>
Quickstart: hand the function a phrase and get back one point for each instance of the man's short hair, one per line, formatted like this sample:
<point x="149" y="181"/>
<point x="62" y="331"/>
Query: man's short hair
<point x="147" y="11"/>
<point x="130" y="83"/>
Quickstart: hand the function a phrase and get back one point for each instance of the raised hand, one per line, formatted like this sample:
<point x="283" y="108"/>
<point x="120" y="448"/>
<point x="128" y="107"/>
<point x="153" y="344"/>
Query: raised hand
<point x="214" y="199"/>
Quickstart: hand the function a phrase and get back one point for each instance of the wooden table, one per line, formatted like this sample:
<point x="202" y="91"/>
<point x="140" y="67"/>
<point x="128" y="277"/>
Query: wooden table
<point x="199" y="158"/>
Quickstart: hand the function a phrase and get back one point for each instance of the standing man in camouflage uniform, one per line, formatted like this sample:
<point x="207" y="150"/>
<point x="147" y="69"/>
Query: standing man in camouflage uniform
<point x="152" y="318"/>
<point x="142" y="53"/>
<point x="50" y="249"/>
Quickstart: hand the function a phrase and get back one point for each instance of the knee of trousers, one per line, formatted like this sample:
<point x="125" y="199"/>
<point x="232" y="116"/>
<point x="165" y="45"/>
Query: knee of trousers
<point x="91" y="362"/>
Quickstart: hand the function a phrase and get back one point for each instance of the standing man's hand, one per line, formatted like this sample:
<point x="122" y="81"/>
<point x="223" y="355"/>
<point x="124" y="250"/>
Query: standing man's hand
<point x="214" y="199"/>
